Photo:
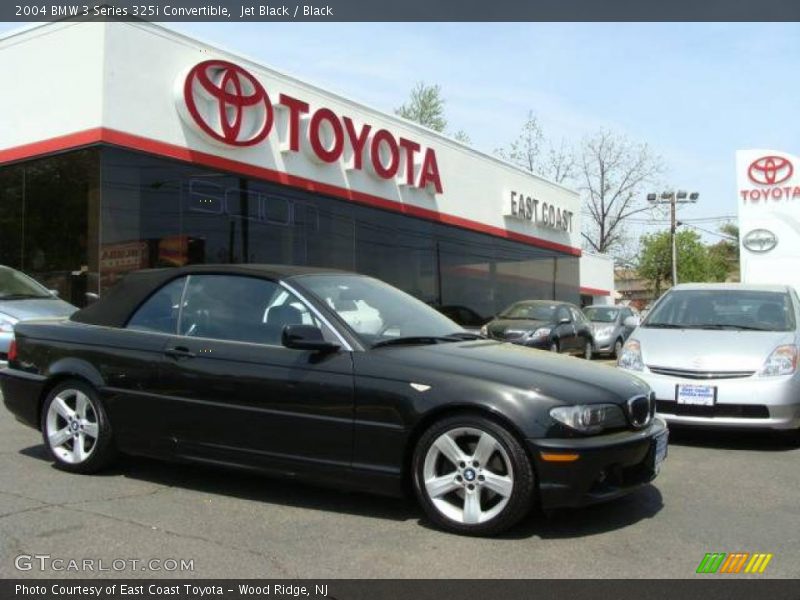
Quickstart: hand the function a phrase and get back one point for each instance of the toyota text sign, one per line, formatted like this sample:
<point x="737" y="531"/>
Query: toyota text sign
<point x="230" y="106"/>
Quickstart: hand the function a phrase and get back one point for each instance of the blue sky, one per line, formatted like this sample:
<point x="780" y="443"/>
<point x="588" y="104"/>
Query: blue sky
<point x="695" y="92"/>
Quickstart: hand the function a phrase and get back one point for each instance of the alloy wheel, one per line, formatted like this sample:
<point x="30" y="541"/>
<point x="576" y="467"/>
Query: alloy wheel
<point x="72" y="426"/>
<point x="468" y="475"/>
<point x="587" y="351"/>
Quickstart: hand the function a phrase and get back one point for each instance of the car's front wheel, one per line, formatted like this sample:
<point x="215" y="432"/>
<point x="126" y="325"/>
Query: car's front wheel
<point x="588" y="350"/>
<point x="75" y="428"/>
<point x="617" y="348"/>
<point x="472" y="476"/>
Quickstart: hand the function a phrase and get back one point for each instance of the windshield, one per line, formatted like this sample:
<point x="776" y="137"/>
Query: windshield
<point x="376" y="311"/>
<point x="534" y="311"/>
<point x="723" y="309"/>
<point x="16" y="285"/>
<point x="600" y="314"/>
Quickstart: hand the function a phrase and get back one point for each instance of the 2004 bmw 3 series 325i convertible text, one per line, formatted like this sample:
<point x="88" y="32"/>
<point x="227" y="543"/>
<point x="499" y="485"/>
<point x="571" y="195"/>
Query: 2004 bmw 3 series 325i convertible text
<point x="335" y="378"/>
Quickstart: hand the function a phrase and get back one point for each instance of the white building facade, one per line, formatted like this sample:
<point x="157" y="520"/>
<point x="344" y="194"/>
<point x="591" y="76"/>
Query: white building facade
<point x="127" y="145"/>
<point x="768" y="184"/>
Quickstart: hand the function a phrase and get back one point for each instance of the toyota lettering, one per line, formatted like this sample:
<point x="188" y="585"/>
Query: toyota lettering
<point x="229" y="105"/>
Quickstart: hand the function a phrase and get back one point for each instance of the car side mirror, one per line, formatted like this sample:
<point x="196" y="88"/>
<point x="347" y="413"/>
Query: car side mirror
<point x="631" y="322"/>
<point x="564" y="320"/>
<point x="306" y="337"/>
<point x="53" y="293"/>
<point x="91" y="298"/>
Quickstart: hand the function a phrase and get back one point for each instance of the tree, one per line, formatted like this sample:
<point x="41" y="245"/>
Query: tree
<point x="612" y="174"/>
<point x="694" y="262"/>
<point x="425" y="106"/>
<point x="724" y="255"/>
<point x="528" y="152"/>
<point x="525" y="150"/>
<point x="462" y="136"/>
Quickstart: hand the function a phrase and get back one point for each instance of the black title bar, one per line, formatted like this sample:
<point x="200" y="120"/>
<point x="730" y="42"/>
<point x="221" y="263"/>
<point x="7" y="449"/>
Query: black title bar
<point x="405" y="10"/>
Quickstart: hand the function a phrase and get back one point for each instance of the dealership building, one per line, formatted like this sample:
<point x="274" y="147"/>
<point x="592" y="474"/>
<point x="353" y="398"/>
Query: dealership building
<point x="128" y="145"/>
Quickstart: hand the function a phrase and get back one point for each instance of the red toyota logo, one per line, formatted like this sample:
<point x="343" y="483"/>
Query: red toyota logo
<point x="770" y="170"/>
<point x="228" y="103"/>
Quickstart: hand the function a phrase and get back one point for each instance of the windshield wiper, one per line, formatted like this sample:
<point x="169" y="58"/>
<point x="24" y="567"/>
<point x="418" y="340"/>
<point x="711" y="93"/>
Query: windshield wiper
<point x="664" y="326"/>
<point x="464" y="335"/>
<point x="415" y="339"/>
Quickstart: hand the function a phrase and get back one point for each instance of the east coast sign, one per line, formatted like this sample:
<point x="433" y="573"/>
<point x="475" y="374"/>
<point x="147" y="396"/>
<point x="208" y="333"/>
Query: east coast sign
<point x="230" y="107"/>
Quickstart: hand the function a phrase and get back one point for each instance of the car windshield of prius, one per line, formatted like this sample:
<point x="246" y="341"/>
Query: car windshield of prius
<point x="18" y="286"/>
<point x="381" y="314"/>
<point x="600" y="314"/>
<point x="534" y="311"/>
<point x="723" y="309"/>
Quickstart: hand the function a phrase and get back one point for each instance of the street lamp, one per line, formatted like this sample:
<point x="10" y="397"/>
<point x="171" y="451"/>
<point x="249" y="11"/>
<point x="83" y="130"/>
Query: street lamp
<point x="673" y="198"/>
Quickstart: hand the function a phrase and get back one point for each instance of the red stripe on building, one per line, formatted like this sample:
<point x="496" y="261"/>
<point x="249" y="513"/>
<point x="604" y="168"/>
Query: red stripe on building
<point x="151" y="146"/>
<point x="594" y="291"/>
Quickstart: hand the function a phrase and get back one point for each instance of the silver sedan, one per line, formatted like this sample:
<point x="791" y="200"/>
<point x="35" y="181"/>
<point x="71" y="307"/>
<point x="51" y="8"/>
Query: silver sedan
<point x="23" y="299"/>
<point x="721" y="355"/>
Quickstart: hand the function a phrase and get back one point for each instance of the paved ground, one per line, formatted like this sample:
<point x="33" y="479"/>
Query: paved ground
<point x="723" y="492"/>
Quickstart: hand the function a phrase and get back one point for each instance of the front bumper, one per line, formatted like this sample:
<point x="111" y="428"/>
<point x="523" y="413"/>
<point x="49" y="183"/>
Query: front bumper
<point x="604" y="344"/>
<point x="742" y="403"/>
<point x="609" y="466"/>
<point x="5" y="343"/>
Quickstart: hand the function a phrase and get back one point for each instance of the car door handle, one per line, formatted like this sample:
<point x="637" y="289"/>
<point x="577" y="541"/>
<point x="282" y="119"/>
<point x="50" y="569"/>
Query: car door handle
<point x="179" y="352"/>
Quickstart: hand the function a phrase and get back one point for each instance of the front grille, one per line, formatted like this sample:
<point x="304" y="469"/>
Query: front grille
<point x="641" y="410"/>
<point x="736" y="411"/>
<point x="689" y="374"/>
<point x="512" y="334"/>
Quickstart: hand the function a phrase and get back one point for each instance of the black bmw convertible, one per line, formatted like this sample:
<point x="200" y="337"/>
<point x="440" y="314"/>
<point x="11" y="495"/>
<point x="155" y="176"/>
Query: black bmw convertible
<point x="334" y="378"/>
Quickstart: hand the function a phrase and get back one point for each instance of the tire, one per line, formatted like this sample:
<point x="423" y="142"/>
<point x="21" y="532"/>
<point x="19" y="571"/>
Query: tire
<point x="71" y="414"/>
<point x="617" y="348"/>
<point x="588" y="350"/>
<point x="554" y="346"/>
<point x="481" y="500"/>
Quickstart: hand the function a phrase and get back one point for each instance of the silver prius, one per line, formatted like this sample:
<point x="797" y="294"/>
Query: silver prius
<point x="721" y="355"/>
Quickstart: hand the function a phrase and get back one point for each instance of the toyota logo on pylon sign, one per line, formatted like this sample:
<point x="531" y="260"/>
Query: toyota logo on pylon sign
<point x="227" y="103"/>
<point x="770" y="170"/>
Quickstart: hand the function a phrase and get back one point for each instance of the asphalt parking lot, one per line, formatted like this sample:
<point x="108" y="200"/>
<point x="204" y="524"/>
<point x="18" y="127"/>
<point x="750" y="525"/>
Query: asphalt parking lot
<point x="720" y="492"/>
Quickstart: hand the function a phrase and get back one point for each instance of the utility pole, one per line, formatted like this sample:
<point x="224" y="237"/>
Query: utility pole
<point x="673" y="198"/>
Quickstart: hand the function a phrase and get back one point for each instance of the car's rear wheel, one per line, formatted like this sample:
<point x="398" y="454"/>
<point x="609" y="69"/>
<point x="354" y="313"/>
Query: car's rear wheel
<point x="472" y="476"/>
<point x="75" y="428"/>
<point x="554" y="346"/>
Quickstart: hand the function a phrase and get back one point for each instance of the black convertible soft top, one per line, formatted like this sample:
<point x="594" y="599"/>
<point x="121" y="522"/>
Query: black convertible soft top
<point x="117" y="305"/>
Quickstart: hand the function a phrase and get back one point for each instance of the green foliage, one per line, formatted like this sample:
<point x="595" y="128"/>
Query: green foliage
<point x="696" y="261"/>
<point x="425" y="106"/>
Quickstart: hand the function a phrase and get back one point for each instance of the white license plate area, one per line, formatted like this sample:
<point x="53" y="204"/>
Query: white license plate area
<point x="697" y="395"/>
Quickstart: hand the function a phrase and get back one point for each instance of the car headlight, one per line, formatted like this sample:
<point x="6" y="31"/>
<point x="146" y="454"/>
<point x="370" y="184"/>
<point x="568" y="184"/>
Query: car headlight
<point x="538" y="333"/>
<point x="589" y="418"/>
<point x="631" y="356"/>
<point x="485" y="330"/>
<point x="7" y="323"/>
<point x="604" y="331"/>
<point x="782" y="361"/>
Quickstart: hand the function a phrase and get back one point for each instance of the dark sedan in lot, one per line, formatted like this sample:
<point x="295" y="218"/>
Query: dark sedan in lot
<point x="545" y="324"/>
<point x="266" y="368"/>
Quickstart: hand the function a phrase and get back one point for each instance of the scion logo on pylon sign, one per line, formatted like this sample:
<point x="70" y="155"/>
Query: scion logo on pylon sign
<point x="227" y="103"/>
<point x="770" y="170"/>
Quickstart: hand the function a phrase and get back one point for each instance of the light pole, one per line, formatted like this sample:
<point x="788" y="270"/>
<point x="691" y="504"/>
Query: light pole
<point x="673" y="198"/>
